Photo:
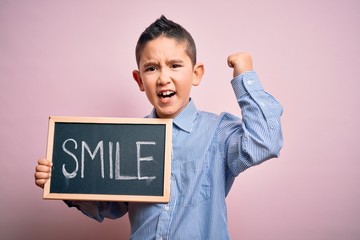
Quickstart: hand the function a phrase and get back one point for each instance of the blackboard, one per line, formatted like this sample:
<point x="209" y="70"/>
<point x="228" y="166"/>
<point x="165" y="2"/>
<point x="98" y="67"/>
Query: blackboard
<point x="109" y="159"/>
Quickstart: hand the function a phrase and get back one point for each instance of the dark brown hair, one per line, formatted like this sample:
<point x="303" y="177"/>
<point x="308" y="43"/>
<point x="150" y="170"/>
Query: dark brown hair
<point x="170" y="29"/>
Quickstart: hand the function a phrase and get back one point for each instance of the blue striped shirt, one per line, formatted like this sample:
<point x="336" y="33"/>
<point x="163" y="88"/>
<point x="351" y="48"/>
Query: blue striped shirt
<point x="208" y="152"/>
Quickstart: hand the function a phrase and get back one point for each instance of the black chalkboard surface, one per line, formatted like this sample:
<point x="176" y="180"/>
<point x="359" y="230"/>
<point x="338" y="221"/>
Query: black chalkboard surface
<point x="109" y="159"/>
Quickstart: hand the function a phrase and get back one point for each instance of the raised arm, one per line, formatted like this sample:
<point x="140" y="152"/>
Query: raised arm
<point x="257" y="136"/>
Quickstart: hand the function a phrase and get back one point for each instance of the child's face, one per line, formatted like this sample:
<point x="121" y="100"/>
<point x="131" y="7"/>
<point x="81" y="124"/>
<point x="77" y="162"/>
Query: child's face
<point x="166" y="74"/>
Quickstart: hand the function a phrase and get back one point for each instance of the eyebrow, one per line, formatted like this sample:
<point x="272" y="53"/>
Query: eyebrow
<point x="175" y="61"/>
<point x="150" y="63"/>
<point x="156" y="63"/>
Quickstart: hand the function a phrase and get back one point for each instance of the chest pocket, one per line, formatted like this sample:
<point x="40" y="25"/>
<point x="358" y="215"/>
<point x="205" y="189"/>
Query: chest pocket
<point x="195" y="183"/>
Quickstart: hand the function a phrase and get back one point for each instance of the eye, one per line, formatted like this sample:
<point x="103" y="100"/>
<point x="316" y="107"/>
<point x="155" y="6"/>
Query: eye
<point x="175" y="65"/>
<point x="150" y="69"/>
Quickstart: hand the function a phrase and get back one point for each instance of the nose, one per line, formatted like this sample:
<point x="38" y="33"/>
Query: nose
<point x="164" y="78"/>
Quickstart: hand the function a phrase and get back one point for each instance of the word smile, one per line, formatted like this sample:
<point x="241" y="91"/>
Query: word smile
<point x="100" y="149"/>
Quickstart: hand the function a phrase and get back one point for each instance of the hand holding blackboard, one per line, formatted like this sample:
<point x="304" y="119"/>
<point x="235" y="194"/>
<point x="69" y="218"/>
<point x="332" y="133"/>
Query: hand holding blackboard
<point x="110" y="159"/>
<point x="42" y="172"/>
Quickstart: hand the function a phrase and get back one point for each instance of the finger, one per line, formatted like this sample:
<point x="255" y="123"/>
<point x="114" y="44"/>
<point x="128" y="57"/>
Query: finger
<point x="230" y="61"/>
<point x="41" y="179"/>
<point x="42" y="168"/>
<point x="42" y="175"/>
<point x="40" y="182"/>
<point x="43" y="161"/>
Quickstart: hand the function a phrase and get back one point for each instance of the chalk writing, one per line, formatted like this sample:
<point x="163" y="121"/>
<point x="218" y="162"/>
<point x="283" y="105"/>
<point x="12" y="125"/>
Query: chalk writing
<point x="100" y="148"/>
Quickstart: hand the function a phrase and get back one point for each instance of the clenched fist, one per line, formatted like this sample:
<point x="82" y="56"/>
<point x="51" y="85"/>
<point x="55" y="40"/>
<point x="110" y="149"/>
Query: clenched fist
<point x="240" y="62"/>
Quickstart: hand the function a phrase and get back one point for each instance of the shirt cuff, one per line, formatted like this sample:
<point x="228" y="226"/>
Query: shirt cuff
<point x="246" y="83"/>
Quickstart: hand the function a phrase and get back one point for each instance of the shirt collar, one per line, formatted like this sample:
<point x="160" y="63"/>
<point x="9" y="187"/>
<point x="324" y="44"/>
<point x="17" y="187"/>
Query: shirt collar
<point x="185" y="118"/>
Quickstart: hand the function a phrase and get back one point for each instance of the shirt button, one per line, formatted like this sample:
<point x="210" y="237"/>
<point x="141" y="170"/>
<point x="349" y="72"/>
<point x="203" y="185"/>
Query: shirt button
<point x="250" y="82"/>
<point x="166" y="208"/>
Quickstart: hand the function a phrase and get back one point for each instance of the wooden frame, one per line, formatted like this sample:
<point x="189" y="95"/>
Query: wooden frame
<point x="144" y="122"/>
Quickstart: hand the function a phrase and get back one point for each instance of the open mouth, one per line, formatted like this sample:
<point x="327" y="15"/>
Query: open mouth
<point x="166" y="94"/>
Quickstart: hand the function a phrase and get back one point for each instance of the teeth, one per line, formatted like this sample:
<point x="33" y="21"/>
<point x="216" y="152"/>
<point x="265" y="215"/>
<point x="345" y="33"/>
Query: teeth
<point x="166" y="94"/>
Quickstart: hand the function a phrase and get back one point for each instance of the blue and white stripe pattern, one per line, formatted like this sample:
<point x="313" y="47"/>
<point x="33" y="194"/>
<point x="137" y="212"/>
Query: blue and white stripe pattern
<point x="209" y="151"/>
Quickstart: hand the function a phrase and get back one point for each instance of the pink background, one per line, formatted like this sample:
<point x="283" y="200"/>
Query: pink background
<point x="76" y="58"/>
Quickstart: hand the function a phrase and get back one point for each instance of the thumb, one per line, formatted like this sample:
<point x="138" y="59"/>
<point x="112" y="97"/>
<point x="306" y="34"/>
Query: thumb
<point x="230" y="61"/>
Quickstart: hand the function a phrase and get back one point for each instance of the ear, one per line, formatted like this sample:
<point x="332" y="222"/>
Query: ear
<point x="199" y="71"/>
<point x="138" y="80"/>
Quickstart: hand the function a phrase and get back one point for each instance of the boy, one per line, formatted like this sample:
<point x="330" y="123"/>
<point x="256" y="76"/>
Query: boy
<point x="209" y="150"/>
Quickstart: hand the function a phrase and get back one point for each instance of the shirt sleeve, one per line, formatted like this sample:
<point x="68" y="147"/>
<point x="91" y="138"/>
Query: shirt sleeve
<point x="257" y="136"/>
<point x="99" y="210"/>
